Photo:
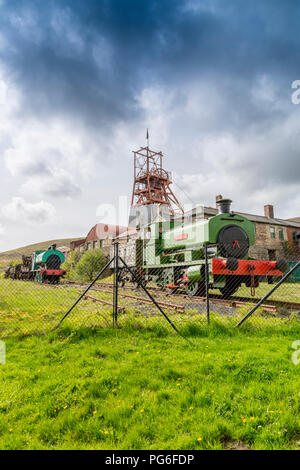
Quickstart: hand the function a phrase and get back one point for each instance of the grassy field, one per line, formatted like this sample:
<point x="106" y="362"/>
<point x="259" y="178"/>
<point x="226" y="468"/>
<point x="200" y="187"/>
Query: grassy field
<point x="287" y="292"/>
<point x="150" y="389"/>
<point x="32" y="308"/>
<point x="88" y="386"/>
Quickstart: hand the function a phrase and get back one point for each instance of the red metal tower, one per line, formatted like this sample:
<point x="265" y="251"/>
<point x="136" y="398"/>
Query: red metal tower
<point x="151" y="182"/>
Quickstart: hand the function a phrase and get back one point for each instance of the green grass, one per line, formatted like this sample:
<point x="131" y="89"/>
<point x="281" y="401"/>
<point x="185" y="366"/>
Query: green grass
<point x="142" y="386"/>
<point x="289" y="291"/>
<point x="31" y="308"/>
<point x="150" y="389"/>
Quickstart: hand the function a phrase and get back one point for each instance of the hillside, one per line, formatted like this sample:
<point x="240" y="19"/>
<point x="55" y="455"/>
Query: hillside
<point x="27" y="250"/>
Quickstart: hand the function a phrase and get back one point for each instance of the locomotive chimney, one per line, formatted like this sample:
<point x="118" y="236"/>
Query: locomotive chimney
<point x="269" y="211"/>
<point x="224" y="206"/>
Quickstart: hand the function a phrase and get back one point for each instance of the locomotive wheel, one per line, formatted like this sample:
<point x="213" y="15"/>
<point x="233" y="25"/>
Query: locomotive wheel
<point x="196" y="288"/>
<point x="136" y="284"/>
<point x="230" y="288"/>
<point x="169" y="279"/>
<point x="122" y="277"/>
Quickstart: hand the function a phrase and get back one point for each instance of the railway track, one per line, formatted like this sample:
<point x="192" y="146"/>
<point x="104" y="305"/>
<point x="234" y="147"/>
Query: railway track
<point x="274" y="306"/>
<point x="234" y="302"/>
<point x="184" y="306"/>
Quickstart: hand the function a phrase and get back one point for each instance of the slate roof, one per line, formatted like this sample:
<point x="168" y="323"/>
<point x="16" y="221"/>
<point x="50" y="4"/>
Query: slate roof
<point x="254" y="218"/>
<point x="103" y="231"/>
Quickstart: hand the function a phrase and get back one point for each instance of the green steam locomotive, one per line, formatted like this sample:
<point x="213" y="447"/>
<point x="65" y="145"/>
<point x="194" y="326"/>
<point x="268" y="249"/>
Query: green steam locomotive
<point x="42" y="266"/>
<point x="172" y="254"/>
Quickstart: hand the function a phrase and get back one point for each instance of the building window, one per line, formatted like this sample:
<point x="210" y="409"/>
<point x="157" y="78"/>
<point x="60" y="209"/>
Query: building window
<point x="95" y="245"/>
<point x="88" y="247"/>
<point x="272" y="232"/>
<point x="295" y="239"/>
<point x="101" y="243"/>
<point x="281" y="234"/>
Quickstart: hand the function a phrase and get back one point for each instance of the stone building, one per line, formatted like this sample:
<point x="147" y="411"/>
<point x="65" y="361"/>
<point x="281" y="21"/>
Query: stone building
<point x="293" y="234"/>
<point x="274" y="237"/>
<point x="77" y="245"/>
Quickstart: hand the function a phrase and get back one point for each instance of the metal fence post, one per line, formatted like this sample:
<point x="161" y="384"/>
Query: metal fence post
<point x="115" y="288"/>
<point x="207" y="284"/>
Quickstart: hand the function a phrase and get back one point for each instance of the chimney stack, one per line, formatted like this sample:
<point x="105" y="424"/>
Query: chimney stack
<point x="224" y="205"/>
<point x="269" y="211"/>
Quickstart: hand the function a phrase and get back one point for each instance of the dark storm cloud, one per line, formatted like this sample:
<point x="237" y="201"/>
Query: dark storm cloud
<point x="210" y="78"/>
<point x="91" y="58"/>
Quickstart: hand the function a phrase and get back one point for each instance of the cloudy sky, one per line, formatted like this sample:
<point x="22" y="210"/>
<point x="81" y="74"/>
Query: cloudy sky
<point x="80" y="82"/>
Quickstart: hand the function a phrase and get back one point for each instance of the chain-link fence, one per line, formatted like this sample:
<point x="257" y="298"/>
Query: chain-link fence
<point x="198" y="287"/>
<point x="145" y="285"/>
<point x="34" y="297"/>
